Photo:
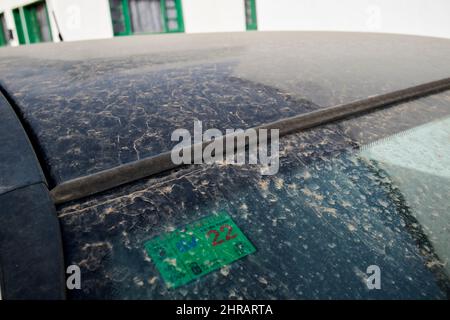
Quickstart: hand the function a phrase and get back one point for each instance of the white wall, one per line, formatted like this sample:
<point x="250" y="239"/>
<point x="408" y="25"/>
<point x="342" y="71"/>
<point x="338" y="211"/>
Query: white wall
<point x="91" y="19"/>
<point x="83" y="19"/>
<point x="213" y="15"/>
<point x="420" y="17"/>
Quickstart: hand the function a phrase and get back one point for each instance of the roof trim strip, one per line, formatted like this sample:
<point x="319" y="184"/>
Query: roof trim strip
<point x="107" y="179"/>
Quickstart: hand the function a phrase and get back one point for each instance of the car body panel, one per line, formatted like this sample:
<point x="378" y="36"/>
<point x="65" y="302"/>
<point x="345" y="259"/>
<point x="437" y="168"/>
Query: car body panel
<point x="316" y="225"/>
<point x="19" y="165"/>
<point x="96" y="105"/>
<point x="31" y="256"/>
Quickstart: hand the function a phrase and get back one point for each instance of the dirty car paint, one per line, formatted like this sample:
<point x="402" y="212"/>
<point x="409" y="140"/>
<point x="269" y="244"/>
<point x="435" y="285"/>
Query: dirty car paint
<point x="317" y="225"/>
<point x="95" y="105"/>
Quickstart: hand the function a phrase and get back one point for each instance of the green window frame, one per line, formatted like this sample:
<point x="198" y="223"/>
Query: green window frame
<point x="19" y="26"/>
<point x="121" y="17"/>
<point x="28" y="28"/>
<point x="3" y="31"/>
<point x="251" y="22"/>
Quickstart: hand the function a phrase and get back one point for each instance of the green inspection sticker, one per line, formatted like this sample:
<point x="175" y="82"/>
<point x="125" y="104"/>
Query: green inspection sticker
<point x="197" y="249"/>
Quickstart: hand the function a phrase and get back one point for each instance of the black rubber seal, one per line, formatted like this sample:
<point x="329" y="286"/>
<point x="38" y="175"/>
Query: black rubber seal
<point x="104" y="180"/>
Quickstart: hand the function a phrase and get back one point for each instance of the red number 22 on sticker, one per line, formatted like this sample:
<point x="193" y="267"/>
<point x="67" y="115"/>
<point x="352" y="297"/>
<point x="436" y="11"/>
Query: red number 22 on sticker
<point x="216" y="240"/>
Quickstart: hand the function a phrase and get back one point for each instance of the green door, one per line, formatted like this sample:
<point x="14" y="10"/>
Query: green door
<point x="3" y="39"/>
<point x="32" y="23"/>
<point x="19" y="26"/>
<point x="34" y="33"/>
<point x="38" y="24"/>
<point x="250" y="15"/>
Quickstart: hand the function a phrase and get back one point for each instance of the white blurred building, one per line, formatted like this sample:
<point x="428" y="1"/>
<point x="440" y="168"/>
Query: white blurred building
<point x="32" y="21"/>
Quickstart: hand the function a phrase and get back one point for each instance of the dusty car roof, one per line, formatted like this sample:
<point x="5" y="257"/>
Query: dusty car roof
<point x="95" y="105"/>
<point x="329" y="213"/>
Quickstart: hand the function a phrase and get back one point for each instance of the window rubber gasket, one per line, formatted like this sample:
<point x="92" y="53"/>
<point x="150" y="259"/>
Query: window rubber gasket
<point x="88" y="185"/>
